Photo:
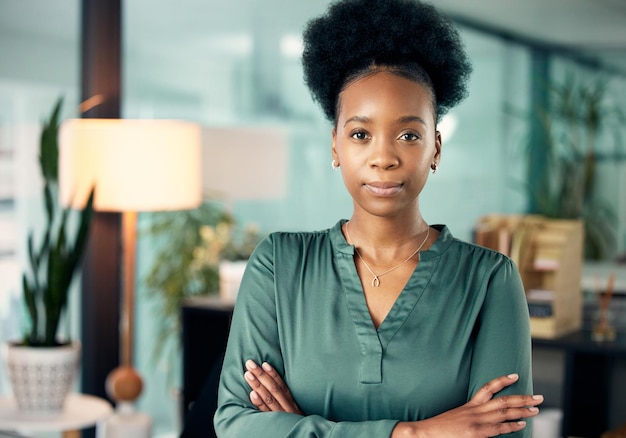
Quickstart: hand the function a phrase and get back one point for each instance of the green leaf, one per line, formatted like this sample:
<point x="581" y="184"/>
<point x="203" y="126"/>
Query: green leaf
<point x="31" y="306"/>
<point x="46" y="294"/>
<point x="49" y="202"/>
<point x="49" y="146"/>
<point x="76" y="253"/>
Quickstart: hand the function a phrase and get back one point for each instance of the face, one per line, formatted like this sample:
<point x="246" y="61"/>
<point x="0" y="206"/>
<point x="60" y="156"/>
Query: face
<point x="385" y="141"/>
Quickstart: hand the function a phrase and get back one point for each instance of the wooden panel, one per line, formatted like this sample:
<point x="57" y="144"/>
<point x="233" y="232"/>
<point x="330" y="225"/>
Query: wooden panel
<point x="549" y="256"/>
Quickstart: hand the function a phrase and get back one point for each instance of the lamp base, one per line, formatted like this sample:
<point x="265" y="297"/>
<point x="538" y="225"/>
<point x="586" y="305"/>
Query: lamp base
<point x="124" y="384"/>
<point x="126" y="423"/>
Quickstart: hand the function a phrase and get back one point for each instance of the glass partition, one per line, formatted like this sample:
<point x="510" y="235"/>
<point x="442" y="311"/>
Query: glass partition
<point x="39" y="63"/>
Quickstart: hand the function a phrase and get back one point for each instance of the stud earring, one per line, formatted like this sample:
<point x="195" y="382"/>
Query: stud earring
<point x="335" y="165"/>
<point x="434" y="167"/>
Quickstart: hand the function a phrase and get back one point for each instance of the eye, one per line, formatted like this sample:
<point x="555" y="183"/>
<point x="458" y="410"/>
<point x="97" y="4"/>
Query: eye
<point x="409" y="136"/>
<point x="359" y="135"/>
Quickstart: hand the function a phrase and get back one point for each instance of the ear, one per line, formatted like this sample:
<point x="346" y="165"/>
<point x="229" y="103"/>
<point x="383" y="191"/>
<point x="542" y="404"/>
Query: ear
<point x="438" y="145"/>
<point x="333" y="148"/>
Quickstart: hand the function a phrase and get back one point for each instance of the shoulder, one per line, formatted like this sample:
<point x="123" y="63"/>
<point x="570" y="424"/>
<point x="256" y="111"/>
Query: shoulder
<point x="482" y="253"/>
<point x="289" y="238"/>
<point x="459" y="257"/>
<point x="291" y="242"/>
<point x="453" y="247"/>
<point x="299" y="236"/>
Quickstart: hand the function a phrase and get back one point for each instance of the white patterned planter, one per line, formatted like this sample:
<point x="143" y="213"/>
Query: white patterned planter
<point x="231" y="273"/>
<point x="41" y="377"/>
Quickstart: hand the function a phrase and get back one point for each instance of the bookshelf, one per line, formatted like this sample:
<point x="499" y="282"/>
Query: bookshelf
<point x="549" y="256"/>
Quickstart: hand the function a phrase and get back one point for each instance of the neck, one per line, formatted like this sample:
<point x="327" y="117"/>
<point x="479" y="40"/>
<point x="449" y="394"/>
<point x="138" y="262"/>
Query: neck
<point x="383" y="242"/>
<point x="384" y="232"/>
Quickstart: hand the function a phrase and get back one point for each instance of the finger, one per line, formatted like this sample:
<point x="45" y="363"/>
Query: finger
<point x="489" y="389"/>
<point x="277" y="389"/>
<point x="272" y="389"/>
<point x="508" y="415"/>
<point x="277" y="381"/>
<point x="513" y="401"/>
<point x="282" y="391"/>
<point x="507" y="408"/>
<point x="502" y="428"/>
<point x="261" y="392"/>
<point x="258" y="402"/>
<point x="263" y="381"/>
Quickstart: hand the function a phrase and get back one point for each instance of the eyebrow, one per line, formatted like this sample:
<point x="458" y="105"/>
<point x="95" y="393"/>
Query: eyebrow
<point x="360" y="119"/>
<point x="405" y="119"/>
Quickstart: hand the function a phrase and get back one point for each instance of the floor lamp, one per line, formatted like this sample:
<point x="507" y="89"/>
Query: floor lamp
<point x="135" y="166"/>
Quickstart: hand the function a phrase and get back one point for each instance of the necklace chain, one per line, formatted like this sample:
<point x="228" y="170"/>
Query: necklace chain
<point x="376" y="279"/>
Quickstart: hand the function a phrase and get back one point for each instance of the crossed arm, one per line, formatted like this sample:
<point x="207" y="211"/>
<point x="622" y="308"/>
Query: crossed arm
<point x="485" y="415"/>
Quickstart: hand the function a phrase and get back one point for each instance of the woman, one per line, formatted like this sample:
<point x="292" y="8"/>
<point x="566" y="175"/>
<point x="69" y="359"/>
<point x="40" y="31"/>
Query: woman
<point x="382" y="326"/>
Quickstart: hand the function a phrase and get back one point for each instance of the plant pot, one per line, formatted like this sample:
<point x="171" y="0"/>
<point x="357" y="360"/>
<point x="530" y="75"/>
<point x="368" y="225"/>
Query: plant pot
<point x="41" y="377"/>
<point x="231" y="273"/>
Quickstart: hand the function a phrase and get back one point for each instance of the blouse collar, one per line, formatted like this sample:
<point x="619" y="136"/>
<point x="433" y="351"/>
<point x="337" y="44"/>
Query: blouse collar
<point x="439" y="246"/>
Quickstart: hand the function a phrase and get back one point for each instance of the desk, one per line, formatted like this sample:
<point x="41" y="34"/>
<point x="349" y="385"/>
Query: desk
<point x="586" y="386"/>
<point x="205" y="326"/>
<point x="80" y="411"/>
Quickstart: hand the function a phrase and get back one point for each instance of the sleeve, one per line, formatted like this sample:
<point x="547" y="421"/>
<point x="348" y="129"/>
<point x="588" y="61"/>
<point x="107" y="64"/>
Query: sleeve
<point x="254" y="335"/>
<point x="503" y="343"/>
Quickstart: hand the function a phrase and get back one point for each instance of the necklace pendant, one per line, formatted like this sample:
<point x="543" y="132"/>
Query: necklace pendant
<point x="375" y="281"/>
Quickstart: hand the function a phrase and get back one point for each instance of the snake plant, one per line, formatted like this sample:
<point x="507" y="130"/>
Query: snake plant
<point x="54" y="261"/>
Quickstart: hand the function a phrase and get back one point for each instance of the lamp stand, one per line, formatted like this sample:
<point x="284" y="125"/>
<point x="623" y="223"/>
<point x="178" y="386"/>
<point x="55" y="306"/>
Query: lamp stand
<point x="129" y="254"/>
<point x="124" y="384"/>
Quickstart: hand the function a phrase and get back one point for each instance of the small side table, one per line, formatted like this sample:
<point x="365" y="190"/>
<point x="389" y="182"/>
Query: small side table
<point x="80" y="411"/>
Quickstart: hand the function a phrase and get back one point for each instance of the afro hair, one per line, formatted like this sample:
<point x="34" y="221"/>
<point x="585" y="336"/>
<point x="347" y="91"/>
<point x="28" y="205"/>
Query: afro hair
<point x="355" y="35"/>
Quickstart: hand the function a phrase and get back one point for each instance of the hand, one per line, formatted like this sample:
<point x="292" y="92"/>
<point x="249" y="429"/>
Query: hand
<point x="483" y="416"/>
<point x="269" y="391"/>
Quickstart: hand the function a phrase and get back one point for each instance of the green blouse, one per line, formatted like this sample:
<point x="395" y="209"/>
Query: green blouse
<point x="461" y="320"/>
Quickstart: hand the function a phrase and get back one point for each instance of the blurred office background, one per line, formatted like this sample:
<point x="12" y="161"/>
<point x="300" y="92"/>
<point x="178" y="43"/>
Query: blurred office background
<point x="236" y="64"/>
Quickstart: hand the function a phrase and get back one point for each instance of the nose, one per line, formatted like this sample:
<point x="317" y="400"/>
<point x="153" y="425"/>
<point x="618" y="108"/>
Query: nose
<point x="383" y="155"/>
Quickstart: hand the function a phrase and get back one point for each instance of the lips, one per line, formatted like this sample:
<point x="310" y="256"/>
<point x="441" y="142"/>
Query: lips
<point x="380" y="188"/>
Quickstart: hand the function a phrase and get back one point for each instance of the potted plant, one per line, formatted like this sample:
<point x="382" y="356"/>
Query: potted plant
<point x="228" y="247"/>
<point x="171" y="280"/>
<point x="579" y="127"/>
<point x="42" y="357"/>
<point x="201" y="239"/>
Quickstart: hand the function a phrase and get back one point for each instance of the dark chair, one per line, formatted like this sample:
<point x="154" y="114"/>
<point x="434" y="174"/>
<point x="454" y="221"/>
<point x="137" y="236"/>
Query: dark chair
<point x="199" y="420"/>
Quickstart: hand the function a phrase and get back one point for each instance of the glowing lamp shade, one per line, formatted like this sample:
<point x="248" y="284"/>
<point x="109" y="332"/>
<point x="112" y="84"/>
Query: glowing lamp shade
<point x="135" y="165"/>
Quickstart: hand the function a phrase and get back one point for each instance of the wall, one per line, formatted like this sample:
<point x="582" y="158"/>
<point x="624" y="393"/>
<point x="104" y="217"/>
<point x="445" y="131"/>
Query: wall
<point x="251" y="77"/>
